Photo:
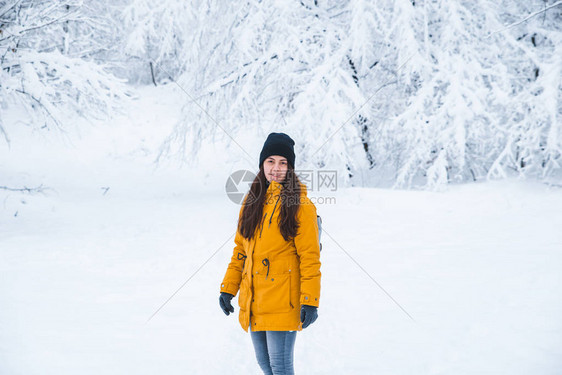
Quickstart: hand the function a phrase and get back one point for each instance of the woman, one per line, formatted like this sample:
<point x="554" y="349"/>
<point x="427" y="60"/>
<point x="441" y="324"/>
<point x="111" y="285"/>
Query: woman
<point x="276" y="260"/>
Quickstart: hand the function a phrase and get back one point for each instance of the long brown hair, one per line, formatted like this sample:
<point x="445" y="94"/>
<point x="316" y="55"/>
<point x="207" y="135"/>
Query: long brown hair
<point x="253" y="205"/>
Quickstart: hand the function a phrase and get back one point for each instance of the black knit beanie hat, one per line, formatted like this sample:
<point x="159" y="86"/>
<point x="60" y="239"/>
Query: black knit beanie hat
<point x="278" y="144"/>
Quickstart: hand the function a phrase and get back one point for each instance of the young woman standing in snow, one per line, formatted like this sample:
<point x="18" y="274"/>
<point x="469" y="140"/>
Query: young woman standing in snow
<point x="276" y="260"/>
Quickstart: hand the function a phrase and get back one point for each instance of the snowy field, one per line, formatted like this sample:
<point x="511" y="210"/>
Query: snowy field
<point x="83" y="268"/>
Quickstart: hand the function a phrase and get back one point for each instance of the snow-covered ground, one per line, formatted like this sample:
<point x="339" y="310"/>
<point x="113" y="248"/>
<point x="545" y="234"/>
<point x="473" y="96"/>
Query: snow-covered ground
<point x="83" y="268"/>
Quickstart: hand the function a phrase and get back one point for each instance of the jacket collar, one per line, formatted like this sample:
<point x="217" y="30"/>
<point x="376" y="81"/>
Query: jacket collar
<point x="274" y="187"/>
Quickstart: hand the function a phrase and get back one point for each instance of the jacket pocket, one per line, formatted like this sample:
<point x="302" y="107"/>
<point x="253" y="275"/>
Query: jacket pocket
<point x="272" y="295"/>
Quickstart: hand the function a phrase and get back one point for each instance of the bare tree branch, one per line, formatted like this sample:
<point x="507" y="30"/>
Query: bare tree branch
<point x="8" y="7"/>
<point x="39" y="189"/>
<point x="526" y="18"/>
<point x="21" y="32"/>
<point x="3" y="132"/>
<point x="42" y="107"/>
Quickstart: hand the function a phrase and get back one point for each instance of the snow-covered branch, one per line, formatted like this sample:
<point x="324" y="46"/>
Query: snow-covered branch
<point x="37" y="72"/>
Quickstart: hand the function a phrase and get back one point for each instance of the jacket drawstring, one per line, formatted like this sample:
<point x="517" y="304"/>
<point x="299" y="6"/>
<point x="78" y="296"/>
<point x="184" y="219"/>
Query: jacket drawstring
<point x="242" y="256"/>
<point x="265" y="262"/>
<point x="271" y="217"/>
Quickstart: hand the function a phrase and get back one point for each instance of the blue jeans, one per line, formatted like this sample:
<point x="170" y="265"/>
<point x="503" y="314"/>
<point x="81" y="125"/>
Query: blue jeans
<point x="274" y="351"/>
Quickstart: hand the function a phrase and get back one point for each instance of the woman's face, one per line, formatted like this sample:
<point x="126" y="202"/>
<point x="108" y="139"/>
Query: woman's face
<point x="275" y="168"/>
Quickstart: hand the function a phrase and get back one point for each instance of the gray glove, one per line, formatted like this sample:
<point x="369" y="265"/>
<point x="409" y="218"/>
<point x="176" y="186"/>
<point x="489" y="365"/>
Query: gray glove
<point x="224" y="301"/>
<point x="308" y="315"/>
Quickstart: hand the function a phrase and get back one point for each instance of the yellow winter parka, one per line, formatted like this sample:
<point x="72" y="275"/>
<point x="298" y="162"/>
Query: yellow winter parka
<point x="275" y="277"/>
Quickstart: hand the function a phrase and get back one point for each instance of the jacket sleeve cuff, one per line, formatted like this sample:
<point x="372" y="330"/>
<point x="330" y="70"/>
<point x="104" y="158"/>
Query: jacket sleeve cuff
<point x="307" y="299"/>
<point x="229" y="288"/>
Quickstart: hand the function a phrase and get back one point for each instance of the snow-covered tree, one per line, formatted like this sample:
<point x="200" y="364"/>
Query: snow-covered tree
<point x="158" y="36"/>
<point x="52" y="60"/>
<point x="485" y="99"/>
<point x="388" y="92"/>
<point x="412" y="93"/>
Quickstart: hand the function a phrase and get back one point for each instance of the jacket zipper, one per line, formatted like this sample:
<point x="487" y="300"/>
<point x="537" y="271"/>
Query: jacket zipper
<point x="290" y="294"/>
<point x="263" y="220"/>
